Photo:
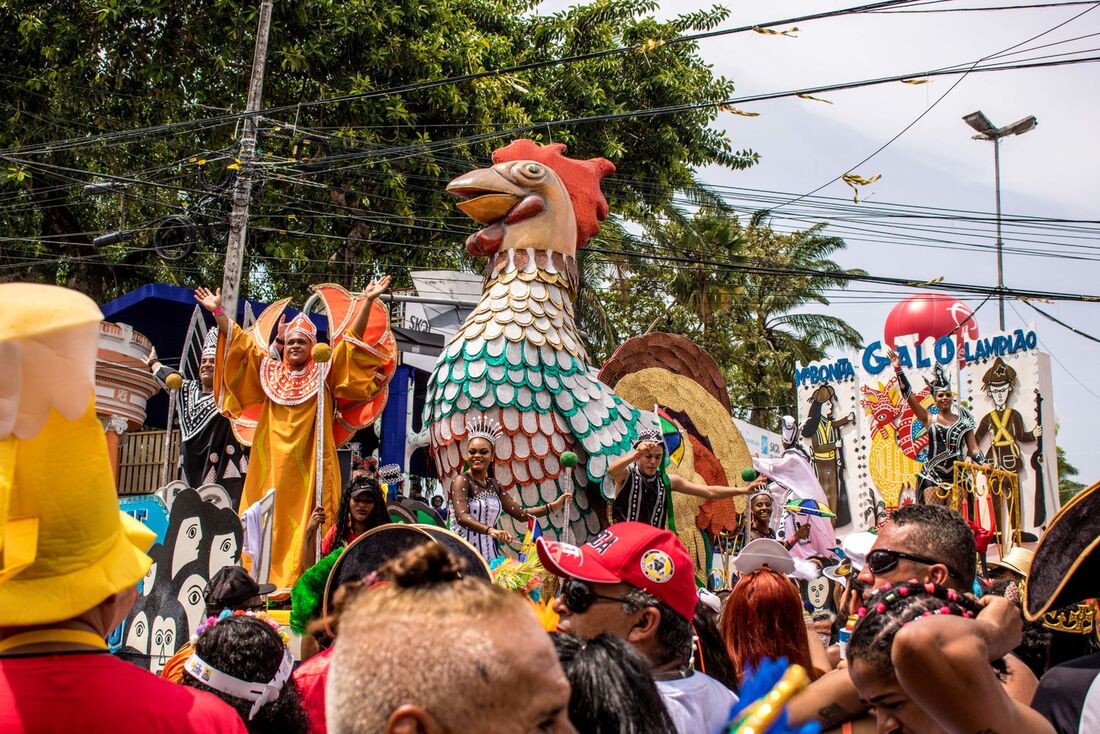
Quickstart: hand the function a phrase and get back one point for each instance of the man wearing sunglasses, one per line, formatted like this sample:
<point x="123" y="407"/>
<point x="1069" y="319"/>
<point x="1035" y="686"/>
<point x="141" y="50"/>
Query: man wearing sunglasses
<point x="923" y="542"/>
<point x="637" y="582"/>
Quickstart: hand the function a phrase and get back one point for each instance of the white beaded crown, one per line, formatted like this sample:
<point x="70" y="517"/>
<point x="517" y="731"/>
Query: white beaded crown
<point x="482" y="427"/>
<point x="210" y="344"/>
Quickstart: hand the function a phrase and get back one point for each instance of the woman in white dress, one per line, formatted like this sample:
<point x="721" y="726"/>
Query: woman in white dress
<point x="477" y="498"/>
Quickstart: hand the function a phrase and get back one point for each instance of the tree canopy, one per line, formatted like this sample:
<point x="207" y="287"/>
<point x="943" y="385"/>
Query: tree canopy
<point x="144" y="95"/>
<point x="724" y="291"/>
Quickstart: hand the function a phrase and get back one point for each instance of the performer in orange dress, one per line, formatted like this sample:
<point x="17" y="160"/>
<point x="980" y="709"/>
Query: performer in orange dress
<point x="296" y="431"/>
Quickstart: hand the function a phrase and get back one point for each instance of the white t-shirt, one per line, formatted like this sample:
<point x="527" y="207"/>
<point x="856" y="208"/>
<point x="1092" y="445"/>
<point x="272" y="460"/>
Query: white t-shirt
<point x="697" y="704"/>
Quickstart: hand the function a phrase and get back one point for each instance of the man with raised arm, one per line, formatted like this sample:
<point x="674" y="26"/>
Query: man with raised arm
<point x="293" y="444"/>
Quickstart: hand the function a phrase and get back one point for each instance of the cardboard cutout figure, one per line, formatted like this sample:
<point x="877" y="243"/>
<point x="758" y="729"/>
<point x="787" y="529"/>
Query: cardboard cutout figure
<point x="823" y="431"/>
<point x="1003" y="424"/>
<point x="201" y="539"/>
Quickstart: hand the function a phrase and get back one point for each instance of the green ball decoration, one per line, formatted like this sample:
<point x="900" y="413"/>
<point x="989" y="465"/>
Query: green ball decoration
<point x="748" y="474"/>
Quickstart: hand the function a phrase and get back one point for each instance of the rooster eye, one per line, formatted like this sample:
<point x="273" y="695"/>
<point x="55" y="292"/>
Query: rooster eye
<point x="532" y="169"/>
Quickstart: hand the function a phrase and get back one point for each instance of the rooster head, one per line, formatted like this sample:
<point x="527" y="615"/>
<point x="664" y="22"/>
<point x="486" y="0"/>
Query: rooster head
<point x="533" y="196"/>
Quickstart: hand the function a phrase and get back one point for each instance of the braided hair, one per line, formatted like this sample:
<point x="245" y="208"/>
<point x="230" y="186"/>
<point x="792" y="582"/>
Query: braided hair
<point x="893" y="606"/>
<point x="378" y="515"/>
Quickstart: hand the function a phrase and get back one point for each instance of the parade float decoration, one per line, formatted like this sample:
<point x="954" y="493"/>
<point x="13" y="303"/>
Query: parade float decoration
<point x="685" y="384"/>
<point x="199" y="540"/>
<point x="1003" y="381"/>
<point x="519" y="359"/>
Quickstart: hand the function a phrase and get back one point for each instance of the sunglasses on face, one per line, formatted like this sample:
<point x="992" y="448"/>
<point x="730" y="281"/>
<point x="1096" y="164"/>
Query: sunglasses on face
<point x="579" y="596"/>
<point x="882" y="560"/>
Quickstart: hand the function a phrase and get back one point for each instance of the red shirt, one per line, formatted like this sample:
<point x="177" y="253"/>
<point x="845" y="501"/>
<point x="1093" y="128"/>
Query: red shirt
<point x="310" y="678"/>
<point x="330" y="538"/>
<point x="64" y="694"/>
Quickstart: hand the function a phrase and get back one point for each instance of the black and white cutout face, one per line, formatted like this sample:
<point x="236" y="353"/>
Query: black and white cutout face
<point x="223" y="552"/>
<point x="187" y="544"/>
<point x="162" y="642"/>
<point x="137" y="636"/>
<point x="148" y="579"/>
<point x="191" y="599"/>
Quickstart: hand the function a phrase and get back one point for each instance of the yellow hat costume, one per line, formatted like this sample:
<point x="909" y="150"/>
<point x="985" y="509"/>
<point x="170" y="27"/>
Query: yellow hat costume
<point x="64" y="544"/>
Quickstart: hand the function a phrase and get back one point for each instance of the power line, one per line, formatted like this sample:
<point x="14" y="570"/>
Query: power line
<point x="461" y="78"/>
<point x="1055" y="356"/>
<point x="1061" y="323"/>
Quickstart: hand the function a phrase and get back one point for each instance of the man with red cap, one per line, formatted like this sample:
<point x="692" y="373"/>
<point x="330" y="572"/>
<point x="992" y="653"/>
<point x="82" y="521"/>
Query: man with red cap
<point x="636" y="581"/>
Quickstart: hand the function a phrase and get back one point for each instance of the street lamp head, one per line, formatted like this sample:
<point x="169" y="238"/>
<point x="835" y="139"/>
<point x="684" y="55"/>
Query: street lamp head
<point x="988" y="131"/>
<point x="980" y="123"/>
<point x="1019" y="127"/>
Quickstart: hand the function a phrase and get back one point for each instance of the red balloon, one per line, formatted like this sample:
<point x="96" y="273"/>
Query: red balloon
<point x="930" y="316"/>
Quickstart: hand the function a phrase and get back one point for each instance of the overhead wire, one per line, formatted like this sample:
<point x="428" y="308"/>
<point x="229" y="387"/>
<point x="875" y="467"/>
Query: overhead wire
<point x="1054" y="356"/>
<point x="973" y="68"/>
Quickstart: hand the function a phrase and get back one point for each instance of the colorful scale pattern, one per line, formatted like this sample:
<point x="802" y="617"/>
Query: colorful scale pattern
<point x="519" y="359"/>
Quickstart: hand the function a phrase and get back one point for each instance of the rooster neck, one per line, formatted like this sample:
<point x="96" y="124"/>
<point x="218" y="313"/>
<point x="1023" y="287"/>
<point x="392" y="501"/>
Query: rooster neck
<point x="548" y="266"/>
<point x="527" y="299"/>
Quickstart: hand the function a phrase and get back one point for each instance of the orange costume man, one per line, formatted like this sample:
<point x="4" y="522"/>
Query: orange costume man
<point x="276" y="408"/>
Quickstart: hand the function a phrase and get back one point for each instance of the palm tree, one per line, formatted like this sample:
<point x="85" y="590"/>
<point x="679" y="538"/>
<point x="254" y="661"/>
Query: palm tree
<point x="777" y="331"/>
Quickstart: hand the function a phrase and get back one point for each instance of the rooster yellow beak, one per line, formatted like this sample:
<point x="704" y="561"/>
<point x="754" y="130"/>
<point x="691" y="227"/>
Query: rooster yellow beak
<point x="485" y="195"/>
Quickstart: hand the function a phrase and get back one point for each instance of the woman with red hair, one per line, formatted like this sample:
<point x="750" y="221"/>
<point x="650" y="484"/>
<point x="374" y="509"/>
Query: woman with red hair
<point x="763" y="619"/>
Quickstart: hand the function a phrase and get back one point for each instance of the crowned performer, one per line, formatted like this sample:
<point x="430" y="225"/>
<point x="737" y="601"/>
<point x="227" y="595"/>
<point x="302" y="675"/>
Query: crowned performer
<point x="477" y="497"/>
<point x="950" y="436"/>
<point x="209" y="452"/>
<point x="642" y="485"/>
<point x="293" y="444"/>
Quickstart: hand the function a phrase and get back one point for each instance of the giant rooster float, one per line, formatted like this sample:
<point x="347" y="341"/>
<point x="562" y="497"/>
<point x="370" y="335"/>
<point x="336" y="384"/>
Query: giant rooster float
<point x="519" y="359"/>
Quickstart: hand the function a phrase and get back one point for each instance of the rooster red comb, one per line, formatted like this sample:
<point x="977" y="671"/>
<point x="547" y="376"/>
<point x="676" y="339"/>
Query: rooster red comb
<point x="581" y="180"/>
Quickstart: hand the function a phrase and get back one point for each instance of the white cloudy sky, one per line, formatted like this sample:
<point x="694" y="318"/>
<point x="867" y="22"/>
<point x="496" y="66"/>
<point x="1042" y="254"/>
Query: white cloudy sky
<point x="1049" y="172"/>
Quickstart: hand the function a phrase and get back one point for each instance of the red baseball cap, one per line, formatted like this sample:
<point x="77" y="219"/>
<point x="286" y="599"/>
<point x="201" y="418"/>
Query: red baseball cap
<point x="635" y="553"/>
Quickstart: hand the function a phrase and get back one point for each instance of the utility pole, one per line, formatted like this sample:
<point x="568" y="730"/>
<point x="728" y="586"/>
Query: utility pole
<point x="242" y="187"/>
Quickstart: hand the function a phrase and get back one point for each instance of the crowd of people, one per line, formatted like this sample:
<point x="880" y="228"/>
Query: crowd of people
<point x="419" y="646"/>
<point x="614" y="635"/>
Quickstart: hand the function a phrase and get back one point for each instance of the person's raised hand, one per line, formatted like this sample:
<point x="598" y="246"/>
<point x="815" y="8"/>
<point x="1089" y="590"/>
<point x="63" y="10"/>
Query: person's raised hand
<point x="893" y="357"/>
<point x="210" y="300"/>
<point x="149" y="360"/>
<point x="376" y="287"/>
<point x="280" y="330"/>
<point x="802" y="532"/>
<point x="643" y="447"/>
<point x="316" y="520"/>
<point x="1002" y="623"/>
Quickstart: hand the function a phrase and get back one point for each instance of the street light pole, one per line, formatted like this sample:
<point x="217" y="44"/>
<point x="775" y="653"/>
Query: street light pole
<point x="1000" y="242"/>
<point x="988" y="131"/>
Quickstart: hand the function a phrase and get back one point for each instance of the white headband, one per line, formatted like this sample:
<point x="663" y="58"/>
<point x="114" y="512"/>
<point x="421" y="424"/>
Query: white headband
<point x="258" y="693"/>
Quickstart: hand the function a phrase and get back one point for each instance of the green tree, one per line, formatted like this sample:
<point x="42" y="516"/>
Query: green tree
<point x="736" y="302"/>
<point x="343" y="187"/>
<point x="1067" y="487"/>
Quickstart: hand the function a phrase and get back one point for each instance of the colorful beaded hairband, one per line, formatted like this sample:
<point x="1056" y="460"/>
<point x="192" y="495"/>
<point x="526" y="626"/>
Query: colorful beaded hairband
<point x="889" y="594"/>
<point x="210" y="622"/>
